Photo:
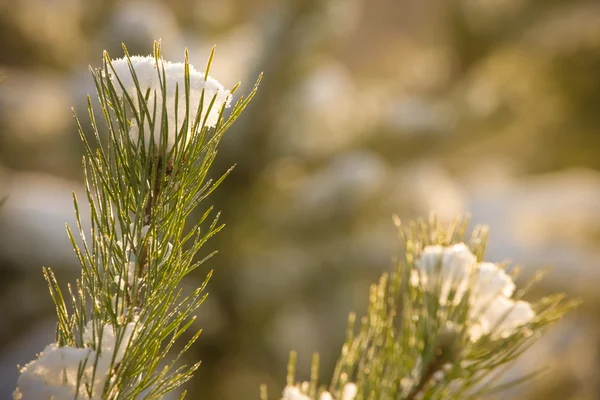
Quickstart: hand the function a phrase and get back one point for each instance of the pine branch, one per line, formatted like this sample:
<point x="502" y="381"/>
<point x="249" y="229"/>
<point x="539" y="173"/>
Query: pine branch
<point x="444" y="325"/>
<point x="164" y="122"/>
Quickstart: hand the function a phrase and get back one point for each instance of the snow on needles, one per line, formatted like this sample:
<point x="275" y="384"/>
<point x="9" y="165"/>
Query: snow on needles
<point x="349" y="392"/>
<point x="147" y="75"/>
<point x="453" y="270"/>
<point x="54" y="374"/>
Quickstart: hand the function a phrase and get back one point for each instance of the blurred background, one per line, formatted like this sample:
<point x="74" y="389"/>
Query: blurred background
<point x="367" y="108"/>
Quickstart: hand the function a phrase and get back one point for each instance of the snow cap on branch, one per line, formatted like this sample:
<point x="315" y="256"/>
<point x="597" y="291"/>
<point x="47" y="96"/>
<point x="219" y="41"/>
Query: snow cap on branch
<point x="147" y="75"/>
<point x="453" y="270"/>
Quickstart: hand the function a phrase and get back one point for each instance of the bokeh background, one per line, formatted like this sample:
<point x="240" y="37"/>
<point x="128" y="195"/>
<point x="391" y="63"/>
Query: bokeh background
<point x="368" y="108"/>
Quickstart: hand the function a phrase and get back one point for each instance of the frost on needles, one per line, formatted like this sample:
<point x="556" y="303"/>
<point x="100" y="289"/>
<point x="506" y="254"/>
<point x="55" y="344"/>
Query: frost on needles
<point x="144" y="173"/>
